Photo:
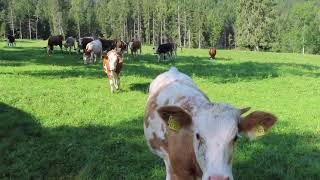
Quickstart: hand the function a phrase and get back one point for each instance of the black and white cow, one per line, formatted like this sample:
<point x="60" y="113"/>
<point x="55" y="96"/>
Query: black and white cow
<point x="166" y="49"/>
<point x="11" y="40"/>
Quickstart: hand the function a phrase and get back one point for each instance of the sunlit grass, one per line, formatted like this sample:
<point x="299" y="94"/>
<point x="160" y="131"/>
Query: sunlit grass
<point x="59" y="120"/>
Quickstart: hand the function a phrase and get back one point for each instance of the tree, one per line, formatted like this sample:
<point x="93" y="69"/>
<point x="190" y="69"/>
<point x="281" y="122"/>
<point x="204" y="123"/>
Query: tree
<point x="76" y="13"/>
<point x="254" y="23"/>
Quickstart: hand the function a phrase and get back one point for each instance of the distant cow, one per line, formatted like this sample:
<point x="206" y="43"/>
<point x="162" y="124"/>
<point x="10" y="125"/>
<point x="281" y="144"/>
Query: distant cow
<point x="193" y="135"/>
<point x="11" y="40"/>
<point x="112" y="65"/>
<point x="165" y="49"/>
<point x="70" y="42"/>
<point x="82" y="43"/>
<point x="54" y="41"/>
<point x="134" y="46"/>
<point x="212" y="53"/>
<point x="121" y="46"/>
<point x="93" y="49"/>
<point x="107" y="44"/>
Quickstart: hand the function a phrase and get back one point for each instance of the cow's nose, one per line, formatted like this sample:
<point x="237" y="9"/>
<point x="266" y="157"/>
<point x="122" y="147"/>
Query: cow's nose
<point x="218" y="178"/>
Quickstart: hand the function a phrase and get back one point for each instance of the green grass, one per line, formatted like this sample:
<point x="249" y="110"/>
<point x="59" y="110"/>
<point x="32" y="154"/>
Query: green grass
<point x="58" y="119"/>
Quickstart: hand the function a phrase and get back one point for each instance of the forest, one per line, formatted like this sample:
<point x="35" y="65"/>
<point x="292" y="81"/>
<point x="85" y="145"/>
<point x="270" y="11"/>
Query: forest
<point x="259" y="25"/>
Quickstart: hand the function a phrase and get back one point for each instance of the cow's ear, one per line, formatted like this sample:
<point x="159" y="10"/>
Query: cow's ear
<point x="256" y="123"/>
<point x="175" y="117"/>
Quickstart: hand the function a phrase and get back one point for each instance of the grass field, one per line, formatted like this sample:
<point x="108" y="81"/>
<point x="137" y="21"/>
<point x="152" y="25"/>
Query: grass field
<point x="58" y="119"/>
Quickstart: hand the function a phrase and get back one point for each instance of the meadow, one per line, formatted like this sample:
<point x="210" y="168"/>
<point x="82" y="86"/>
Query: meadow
<point x="59" y="120"/>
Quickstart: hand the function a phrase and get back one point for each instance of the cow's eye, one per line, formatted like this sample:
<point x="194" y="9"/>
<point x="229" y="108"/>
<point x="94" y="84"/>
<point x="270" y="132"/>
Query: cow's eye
<point x="198" y="136"/>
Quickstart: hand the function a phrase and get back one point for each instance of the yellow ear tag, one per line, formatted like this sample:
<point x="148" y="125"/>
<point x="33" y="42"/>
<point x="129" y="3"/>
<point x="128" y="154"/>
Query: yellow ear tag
<point x="259" y="131"/>
<point x="173" y="124"/>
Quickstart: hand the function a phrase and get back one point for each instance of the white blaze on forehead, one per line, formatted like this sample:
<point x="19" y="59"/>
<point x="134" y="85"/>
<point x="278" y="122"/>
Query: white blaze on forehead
<point x="217" y="125"/>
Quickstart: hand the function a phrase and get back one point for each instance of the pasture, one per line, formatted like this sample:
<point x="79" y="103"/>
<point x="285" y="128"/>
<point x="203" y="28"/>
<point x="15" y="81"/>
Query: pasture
<point x="59" y="120"/>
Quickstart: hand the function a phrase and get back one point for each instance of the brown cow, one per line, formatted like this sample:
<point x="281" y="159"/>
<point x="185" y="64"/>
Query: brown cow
<point x="134" y="46"/>
<point x="121" y="46"/>
<point x="54" y="41"/>
<point x="212" y="53"/>
<point x="112" y="65"/>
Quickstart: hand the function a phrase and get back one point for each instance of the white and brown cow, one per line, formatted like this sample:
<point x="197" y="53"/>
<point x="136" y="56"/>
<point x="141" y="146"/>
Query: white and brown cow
<point x="194" y="136"/>
<point x="93" y="49"/>
<point x="112" y="65"/>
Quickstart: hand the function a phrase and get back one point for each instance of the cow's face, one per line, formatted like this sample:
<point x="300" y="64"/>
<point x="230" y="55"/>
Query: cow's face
<point x="215" y="128"/>
<point x="86" y="56"/>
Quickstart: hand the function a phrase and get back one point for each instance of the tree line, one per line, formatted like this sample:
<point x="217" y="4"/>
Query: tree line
<point x="269" y="25"/>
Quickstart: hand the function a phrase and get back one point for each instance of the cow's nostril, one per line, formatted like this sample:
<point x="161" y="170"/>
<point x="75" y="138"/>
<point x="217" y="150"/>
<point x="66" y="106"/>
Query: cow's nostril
<point x="218" y="178"/>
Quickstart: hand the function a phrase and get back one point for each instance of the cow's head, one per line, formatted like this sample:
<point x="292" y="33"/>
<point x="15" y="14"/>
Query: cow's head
<point x="112" y="59"/>
<point x="215" y="129"/>
<point x="86" y="56"/>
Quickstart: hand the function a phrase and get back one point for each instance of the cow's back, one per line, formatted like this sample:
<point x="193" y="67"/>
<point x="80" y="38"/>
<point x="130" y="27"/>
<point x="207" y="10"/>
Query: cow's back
<point x="55" y="40"/>
<point x="94" y="46"/>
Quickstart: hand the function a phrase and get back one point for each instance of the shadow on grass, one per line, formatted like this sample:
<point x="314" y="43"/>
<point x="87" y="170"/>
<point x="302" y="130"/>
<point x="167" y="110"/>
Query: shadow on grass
<point x="38" y="56"/>
<point x="143" y="87"/>
<point x="281" y="156"/>
<point x="31" y="151"/>
<point x="119" y="152"/>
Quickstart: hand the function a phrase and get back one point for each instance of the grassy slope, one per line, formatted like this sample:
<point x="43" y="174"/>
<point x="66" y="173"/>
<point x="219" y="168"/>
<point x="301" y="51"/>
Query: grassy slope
<point x="58" y="118"/>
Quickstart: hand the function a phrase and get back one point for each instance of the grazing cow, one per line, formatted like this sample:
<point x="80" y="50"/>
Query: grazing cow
<point x="107" y="44"/>
<point x="134" y="46"/>
<point x="212" y="53"/>
<point x="165" y="49"/>
<point x="194" y="136"/>
<point x="70" y="42"/>
<point x="54" y="41"/>
<point x="121" y="46"/>
<point x="11" y="40"/>
<point x="93" y="49"/>
<point x="112" y="65"/>
<point x="82" y="43"/>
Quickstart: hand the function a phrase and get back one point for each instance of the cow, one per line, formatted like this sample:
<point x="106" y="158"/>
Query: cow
<point x="134" y="46"/>
<point x="112" y="65"/>
<point x="54" y="41"/>
<point x="93" y="49"/>
<point x="82" y="43"/>
<point x="165" y="49"/>
<point x="193" y="135"/>
<point x="107" y="44"/>
<point x="212" y="53"/>
<point x="11" y="40"/>
<point x="121" y="46"/>
<point x="70" y="42"/>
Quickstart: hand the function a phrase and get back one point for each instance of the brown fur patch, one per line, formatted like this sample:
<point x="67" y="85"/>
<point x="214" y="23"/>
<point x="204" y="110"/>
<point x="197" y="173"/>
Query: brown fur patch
<point x="264" y="119"/>
<point x="157" y="143"/>
<point x="151" y="108"/>
<point x="181" y="154"/>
